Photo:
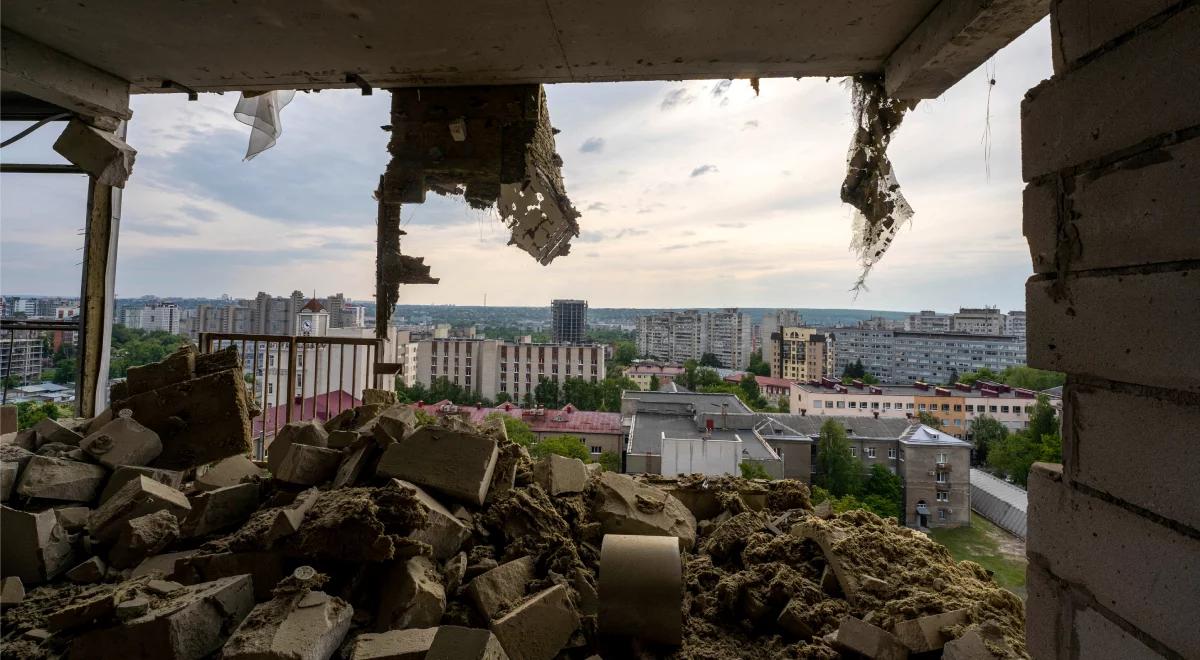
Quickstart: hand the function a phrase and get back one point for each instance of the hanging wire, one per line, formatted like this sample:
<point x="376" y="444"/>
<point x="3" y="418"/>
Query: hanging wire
<point x="27" y="131"/>
<point x="989" y="69"/>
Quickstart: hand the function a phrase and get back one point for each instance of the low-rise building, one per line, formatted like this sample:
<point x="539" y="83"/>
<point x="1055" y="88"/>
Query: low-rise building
<point x="771" y="389"/>
<point x="643" y="371"/>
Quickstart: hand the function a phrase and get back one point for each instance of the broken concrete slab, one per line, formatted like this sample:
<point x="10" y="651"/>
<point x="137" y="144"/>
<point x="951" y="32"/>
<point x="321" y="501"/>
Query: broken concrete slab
<point x="559" y="474"/>
<point x="459" y="643"/>
<point x="33" y="546"/>
<point x="137" y="497"/>
<point x="162" y="565"/>
<point x="504" y="476"/>
<point x="189" y="624"/>
<point x="94" y="605"/>
<point x="26" y="439"/>
<point x="102" y="154"/>
<point x="500" y="587"/>
<point x="925" y="634"/>
<point x="12" y="591"/>
<point x="61" y="479"/>
<point x="354" y="463"/>
<point x="971" y="646"/>
<point x="827" y="537"/>
<point x="309" y="433"/>
<point x="412" y="596"/>
<point x="792" y="620"/>
<point x="198" y="421"/>
<point x="455" y="463"/>
<point x="307" y="465"/>
<point x="132" y="608"/>
<point x="410" y="644"/>
<point x="125" y="473"/>
<point x="175" y="368"/>
<point x="218" y="509"/>
<point x="92" y="570"/>
<point x="857" y="636"/>
<point x="142" y="537"/>
<point x="122" y="442"/>
<point x="226" y="472"/>
<point x="538" y="628"/>
<point x="392" y="424"/>
<point x="72" y="518"/>
<point x="211" y="363"/>
<point x="9" y="473"/>
<point x="623" y="506"/>
<point x="340" y="439"/>
<point x="292" y="626"/>
<point x="163" y="587"/>
<point x="454" y="569"/>
<point x="266" y="569"/>
<point x="50" y="430"/>
<point x="445" y="533"/>
<point x="288" y="520"/>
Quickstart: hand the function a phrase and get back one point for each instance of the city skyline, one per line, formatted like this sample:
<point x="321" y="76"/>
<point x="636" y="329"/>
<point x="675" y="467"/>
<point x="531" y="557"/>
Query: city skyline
<point x="693" y="194"/>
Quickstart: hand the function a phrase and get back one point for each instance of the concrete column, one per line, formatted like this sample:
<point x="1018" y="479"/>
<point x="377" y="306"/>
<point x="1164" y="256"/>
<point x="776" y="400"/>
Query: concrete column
<point x="96" y="297"/>
<point x="1111" y="150"/>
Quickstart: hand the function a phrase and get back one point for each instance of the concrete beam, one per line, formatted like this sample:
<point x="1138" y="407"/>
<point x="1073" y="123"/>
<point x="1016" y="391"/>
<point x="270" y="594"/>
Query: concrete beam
<point x="954" y="39"/>
<point x="32" y="68"/>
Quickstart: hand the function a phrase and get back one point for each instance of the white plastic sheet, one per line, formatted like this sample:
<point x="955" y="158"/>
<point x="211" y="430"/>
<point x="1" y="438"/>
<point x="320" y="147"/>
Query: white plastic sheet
<point x="261" y="113"/>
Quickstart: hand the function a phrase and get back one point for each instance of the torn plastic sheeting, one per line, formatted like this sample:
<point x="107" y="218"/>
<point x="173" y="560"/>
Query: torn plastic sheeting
<point x="261" y="113"/>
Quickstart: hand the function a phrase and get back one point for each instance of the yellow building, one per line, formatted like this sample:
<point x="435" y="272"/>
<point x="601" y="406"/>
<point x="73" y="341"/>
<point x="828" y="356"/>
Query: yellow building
<point x="799" y="354"/>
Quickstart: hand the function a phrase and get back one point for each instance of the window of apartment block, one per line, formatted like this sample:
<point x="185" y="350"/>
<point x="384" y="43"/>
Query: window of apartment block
<point x="841" y="404"/>
<point x="908" y="406"/>
<point x="941" y="457"/>
<point x="1003" y="409"/>
<point x="992" y="408"/>
<point x="887" y="405"/>
<point x="958" y="422"/>
<point x="957" y="408"/>
<point x="875" y="405"/>
<point x="941" y="514"/>
<point x="1028" y="409"/>
<point x="870" y="452"/>
<point x="597" y="449"/>
<point x="853" y="404"/>
<point x="816" y="403"/>
<point x="854" y="452"/>
<point x="943" y="497"/>
<point x="892" y="453"/>
<point x="921" y="407"/>
<point x="945" y="407"/>
<point x="970" y="408"/>
<point x="941" y="477"/>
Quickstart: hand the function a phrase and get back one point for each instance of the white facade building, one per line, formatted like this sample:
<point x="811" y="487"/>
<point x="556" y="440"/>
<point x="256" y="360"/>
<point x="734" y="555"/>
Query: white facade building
<point x="490" y="367"/>
<point x="688" y="335"/>
<point x="160" y="316"/>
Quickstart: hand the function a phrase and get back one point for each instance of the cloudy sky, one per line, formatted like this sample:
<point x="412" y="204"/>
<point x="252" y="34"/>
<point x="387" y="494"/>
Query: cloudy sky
<point x="693" y="194"/>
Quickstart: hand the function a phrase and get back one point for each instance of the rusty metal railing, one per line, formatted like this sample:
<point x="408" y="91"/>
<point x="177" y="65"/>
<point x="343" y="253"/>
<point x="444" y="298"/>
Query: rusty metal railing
<point x="299" y="378"/>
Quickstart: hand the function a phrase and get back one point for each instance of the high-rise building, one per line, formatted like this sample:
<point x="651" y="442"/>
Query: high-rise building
<point x="276" y="315"/>
<point x="727" y="335"/>
<point x="671" y="336"/>
<point x="799" y="354"/>
<point x="1014" y="323"/>
<point x="771" y="323"/>
<point x="896" y="356"/>
<point x="569" y="321"/>
<point x="929" y="321"/>
<point x="490" y="367"/>
<point x="979" y="321"/>
<point x="157" y="316"/>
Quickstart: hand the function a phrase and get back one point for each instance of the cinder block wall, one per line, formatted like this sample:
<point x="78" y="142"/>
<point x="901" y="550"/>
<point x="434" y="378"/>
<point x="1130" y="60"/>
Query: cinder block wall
<point x="1111" y="154"/>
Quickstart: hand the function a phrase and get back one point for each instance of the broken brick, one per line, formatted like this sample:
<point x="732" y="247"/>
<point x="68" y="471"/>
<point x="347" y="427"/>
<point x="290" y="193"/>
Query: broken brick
<point x="52" y="431"/>
<point x="307" y="465"/>
<point x="122" y="442"/>
<point x="84" y="611"/>
<point x="925" y="633"/>
<point x="61" y="479"/>
<point x="498" y="588"/>
<point x="353" y="463"/>
<point x="218" y="509"/>
<point x="308" y="626"/>
<point x="410" y="644"/>
<point x="163" y="564"/>
<point x="309" y="433"/>
<point x="857" y="636"/>
<point x="559" y="474"/>
<point x="538" y="628"/>
<point x="12" y="591"/>
<point x="445" y="533"/>
<point x="412" y="596"/>
<point x="102" y="154"/>
<point x="623" y="506"/>
<point x="264" y="566"/>
<point x="142" y="537"/>
<point x="92" y="570"/>
<point x="793" y="621"/>
<point x="373" y="396"/>
<point x="72" y="518"/>
<point x="457" y="464"/>
<point x="459" y="643"/>
<point x="227" y="472"/>
<point x="125" y="473"/>
<point x="137" y="497"/>
<point x="33" y="546"/>
<point x="288" y="520"/>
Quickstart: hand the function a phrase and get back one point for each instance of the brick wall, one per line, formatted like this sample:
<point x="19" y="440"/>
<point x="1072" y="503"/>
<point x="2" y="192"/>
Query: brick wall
<point x="1111" y="155"/>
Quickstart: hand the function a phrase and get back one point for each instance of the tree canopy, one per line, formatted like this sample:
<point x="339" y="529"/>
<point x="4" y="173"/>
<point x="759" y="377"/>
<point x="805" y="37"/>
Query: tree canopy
<point x="710" y="360"/>
<point x="570" y="446"/>
<point x="837" y="469"/>
<point x="985" y="432"/>
<point x="1013" y="454"/>
<point x="757" y="366"/>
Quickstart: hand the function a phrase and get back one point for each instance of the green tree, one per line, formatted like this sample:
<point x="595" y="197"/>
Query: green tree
<point x="784" y="404"/>
<point x="570" y="446"/>
<point x="583" y="394"/>
<point x="710" y="360"/>
<point x="502" y="398"/>
<point x="985" y="432"/>
<point x="855" y="370"/>
<point x="654" y="384"/>
<point x="64" y="371"/>
<point x="971" y="377"/>
<point x="882" y="492"/>
<point x="749" y="386"/>
<point x="753" y="470"/>
<point x="548" y="393"/>
<point x="610" y="390"/>
<point x="30" y="413"/>
<point x="624" y="352"/>
<point x="527" y="401"/>
<point x="1013" y="455"/>
<point x="610" y="461"/>
<point x="1032" y="379"/>
<point x="837" y="469"/>
<point x="953" y="377"/>
<point x="757" y="366"/>
<point x="929" y="419"/>
<point x="10" y="382"/>
<point x="134" y="348"/>
<point x="517" y="430"/>
<point x="689" y="374"/>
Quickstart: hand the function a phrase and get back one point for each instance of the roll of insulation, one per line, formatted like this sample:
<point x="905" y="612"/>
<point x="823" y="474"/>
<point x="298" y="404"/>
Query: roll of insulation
<point x="641" y="588"/>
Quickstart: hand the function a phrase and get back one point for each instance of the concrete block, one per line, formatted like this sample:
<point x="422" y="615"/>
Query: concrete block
<point x="1097" y="427"/>
<point x="211" y="363"/>
<point x="455" y="463"/>
<point x="410" y="644"/>
<point x="792" y="620"/>
<point x="96" y="423"/>
<point x="1100" y="638"/>
<point x="13" y="459"/>
<point x="132" y="608"/>
<point x="373" y="396"/>
<point x="192" y="624"/>
<point x="1079" y="27"/>
<point x="226" y="472"/>
<point x="8" y="419"/>
<point x="1144" y="572"/>
<point x="339" y="439"/>
<point x="126" y="473"/>
<point x="445" y="533"/>
<point x="623" y="506"/>
<point x="559" y="474"/>
<point x="641" y="588"/>
<point x="26" y="439"/>
<point x="354" y="463"/>
<point x="138" y="497"/>
<point x="1110" y="103"/>
<point x="412" y="596"/>
<point x="1119" y="327"/>
<point x="12" y="591"/>
<point x="50" y="430"/>
<point x="971" y="646"/>
<point x="142" y="537"/>
<point x="220" y="509"/>
<point x="73" y="518"/>
<point x="925" y="634"/>
<point x="504" y="476"/>
<point x="308" y="626"/>
<point x="498" y="588"/>
<point x="100" y="153"/>
<point x="288" y="520"/>
<point x="162" y="565"/>
<point x="1047" y="628"/>
<point x="61" y="479"/>
<point x="265" y="567"/>
<point x="307" y="465"/>
<point x="1137" y="211"/>
<point x="392" y="424"/>
<point x="90" y="607"/>
<point x="33" y="546"/>
<point x="88" y="572"/>
<point x="199" y="421"/>
<point x="122" y="442"/>
<point x="458" y="643"/>
<point x="538" y="628"/>
<point x="302" y="433"/>
<point x="857" y="636"/>
<point x="454" y="569"/>
<point x="175" y="368"/>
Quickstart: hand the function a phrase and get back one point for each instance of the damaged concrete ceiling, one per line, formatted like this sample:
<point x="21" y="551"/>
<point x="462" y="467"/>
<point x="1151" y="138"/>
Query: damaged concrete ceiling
<point x="214" y="45"/>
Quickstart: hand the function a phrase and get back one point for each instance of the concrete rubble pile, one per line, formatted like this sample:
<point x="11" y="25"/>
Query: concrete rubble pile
<point x="383" y="533"/>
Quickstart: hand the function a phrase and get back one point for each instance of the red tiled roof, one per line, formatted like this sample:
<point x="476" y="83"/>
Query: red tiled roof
<point x="321" y="407"/>
<point x="313" y="305"/>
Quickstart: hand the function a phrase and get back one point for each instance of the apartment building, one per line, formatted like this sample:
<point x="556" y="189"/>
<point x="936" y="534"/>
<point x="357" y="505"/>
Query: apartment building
<point x="799" y="354"/>
<point x="1014" y="323"/>
<point x="928" y="321"/>
<point x="713" y="434"/>
<point x="155" y="316"/>
<point x="979" y="321"/>
<point x="569" y="321"/>
<point x="956" y="406"/>
<point x="895" y="356"/>
<point x="21" y="358"/>
<point x="671" y="336"/>
<point x="772" y="323"/>
<point x="489" y="367"/>
<point x="728" y="335"/>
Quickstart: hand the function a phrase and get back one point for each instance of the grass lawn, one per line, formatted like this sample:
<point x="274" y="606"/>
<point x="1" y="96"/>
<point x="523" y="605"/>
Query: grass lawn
<point x="990" y="547"/>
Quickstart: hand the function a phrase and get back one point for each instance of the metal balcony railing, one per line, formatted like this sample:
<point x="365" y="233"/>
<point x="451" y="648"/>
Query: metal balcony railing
<point x="301" y="378"/>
